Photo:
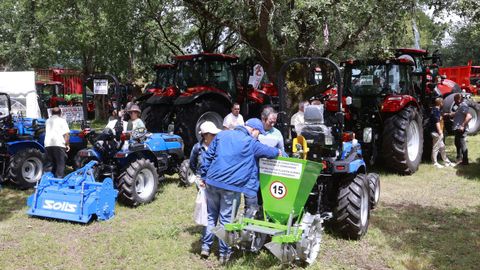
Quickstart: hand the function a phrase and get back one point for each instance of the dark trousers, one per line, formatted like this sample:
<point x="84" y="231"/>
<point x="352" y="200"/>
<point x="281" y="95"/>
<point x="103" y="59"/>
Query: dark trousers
<point x="461" y="145"/>
<point x="56" y="157"/>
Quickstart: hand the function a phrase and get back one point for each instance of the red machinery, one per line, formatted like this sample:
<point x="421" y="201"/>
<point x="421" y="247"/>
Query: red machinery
<point x="468" y="77"/>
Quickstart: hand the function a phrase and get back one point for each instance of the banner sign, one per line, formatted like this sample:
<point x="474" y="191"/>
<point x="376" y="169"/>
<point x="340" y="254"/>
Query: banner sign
<point x="100" y="87"/>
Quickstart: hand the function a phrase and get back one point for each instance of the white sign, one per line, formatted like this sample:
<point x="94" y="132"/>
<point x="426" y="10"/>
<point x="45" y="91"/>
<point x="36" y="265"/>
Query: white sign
<point x="100" y="87"/>
<point x="278" y="190"/>
<point x="70" y="113"/>
<point x="366" y="80"/>
<point x="257" y="76"/>
<point x="281" y="168"/>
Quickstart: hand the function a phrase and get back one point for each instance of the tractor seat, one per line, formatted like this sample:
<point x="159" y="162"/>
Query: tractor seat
<point x="314" y="128"/>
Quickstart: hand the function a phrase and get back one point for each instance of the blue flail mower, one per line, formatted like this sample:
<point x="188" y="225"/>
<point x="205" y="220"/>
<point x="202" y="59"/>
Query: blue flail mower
<point x="77" y="197"/>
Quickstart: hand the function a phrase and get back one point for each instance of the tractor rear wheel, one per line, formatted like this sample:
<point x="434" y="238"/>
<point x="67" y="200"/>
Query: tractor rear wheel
<point x="187" y="176"/>
<point x="403" y="141"/>
<point x="190" y="117"/>
<point x="138" y="184"/>
<point x="26" y="167"/>
<point x="155" y="117"/>
<point x="352" y="211"/>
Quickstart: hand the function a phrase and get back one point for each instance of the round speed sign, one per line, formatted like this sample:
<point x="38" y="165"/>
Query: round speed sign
<point x="278" y="190"/>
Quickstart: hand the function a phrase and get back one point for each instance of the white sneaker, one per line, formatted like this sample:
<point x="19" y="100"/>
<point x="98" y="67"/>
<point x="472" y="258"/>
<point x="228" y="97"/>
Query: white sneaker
<point x="449" y="164"/>
<point x="438" y="165"/>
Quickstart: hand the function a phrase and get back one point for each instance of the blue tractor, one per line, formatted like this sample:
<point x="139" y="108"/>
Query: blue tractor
<point x="136" y="160"/>
<point x="22" y="152"/>
<point x="344" y="188"/>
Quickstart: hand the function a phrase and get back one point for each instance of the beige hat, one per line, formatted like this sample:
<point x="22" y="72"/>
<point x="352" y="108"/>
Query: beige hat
<point x="209" y="127"/>
<point x="135" y="108"/>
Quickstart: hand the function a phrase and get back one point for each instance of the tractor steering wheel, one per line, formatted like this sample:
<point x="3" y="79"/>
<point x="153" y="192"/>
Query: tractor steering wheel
<point x="139" y="134"/>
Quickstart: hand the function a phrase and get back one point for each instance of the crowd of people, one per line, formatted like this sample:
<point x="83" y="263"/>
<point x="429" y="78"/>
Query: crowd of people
<point x="226" y="161"/>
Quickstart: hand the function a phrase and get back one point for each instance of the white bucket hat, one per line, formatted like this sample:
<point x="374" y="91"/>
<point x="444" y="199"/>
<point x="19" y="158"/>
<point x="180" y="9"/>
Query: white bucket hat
<point x="209" y="127"/>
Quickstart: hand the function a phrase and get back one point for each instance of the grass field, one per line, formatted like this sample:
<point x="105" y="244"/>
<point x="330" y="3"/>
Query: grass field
<point x="430" y="220"/>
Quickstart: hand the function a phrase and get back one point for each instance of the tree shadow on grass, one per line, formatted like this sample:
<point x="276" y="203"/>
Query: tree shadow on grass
<point x="12" y="200"/>
<point x="441" y="238"/>
<point x="471" y="171"/>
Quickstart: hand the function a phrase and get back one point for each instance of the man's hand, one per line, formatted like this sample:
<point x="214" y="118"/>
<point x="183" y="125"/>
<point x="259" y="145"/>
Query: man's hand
<point x="279" y="152"/>
<point x="67" y="148"/>
<point x="201" y="183"/>
<point x="461" y="128"/>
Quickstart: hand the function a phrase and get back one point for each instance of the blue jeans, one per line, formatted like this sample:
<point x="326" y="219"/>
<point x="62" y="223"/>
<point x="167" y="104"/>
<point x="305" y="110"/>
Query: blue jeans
<point x="219" y="208"/>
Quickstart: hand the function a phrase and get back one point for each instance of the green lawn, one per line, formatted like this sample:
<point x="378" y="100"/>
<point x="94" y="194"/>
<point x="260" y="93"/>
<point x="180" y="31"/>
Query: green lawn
<point x="430" y="220"/>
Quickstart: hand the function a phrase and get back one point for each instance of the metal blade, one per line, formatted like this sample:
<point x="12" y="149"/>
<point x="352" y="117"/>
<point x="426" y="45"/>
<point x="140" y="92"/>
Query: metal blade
<point x="220" y="232"/>
<point x="276" y="249"/>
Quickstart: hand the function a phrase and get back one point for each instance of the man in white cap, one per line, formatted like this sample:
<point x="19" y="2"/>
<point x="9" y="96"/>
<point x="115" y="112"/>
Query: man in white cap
<point x="208" y="130"/>
<point x="135" y="122"/>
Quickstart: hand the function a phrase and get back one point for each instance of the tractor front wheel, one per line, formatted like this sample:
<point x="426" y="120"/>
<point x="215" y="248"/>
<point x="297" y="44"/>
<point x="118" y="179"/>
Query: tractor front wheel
<point x="373" y="181"/>
<point x="403" y="141"/>
<point x="26" y="167"/>
<point x="352" y="211"/>
<point x="191" y="116"/>
<point x="187" y="176"/>
<point x="138" y="184"/>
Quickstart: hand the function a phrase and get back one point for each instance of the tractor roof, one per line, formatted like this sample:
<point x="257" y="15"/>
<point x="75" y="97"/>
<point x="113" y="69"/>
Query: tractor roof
<point x="412" y="51"/>
<point x="377" y="62"/>
<point x="207" y="56"/>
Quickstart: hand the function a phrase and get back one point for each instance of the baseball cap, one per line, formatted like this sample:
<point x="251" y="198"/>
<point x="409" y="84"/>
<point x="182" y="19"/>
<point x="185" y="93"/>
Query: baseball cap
<point x="209" y="127"/>
<point x="256" y="124"/>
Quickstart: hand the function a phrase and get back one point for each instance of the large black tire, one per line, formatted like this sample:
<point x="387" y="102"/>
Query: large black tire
<point x="352" y="210"/>
<point x="402" y="144"/>
<point x="191" y="116"/>
<point x="186" y="175"/>
<point x="474" y="110"/>
<point x="373" y="181"/>
<point x="155" y="117"/>
<point x="138" y="184"/>
<point x="26" y="167"/>
<point x="79" y="162"/>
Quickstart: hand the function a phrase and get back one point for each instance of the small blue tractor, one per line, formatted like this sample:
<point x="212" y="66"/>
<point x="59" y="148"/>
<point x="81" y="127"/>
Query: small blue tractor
<point x="22" y="153"/>
<point x="136" y="161"/>
<point x="325" y="184"/>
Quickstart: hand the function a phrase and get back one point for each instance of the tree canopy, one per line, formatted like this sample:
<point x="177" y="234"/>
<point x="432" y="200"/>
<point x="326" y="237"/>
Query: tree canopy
<point x="127" y="37"/>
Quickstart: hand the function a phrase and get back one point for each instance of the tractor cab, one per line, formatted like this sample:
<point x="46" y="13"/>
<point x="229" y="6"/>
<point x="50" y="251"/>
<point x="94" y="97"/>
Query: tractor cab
<point x="205" y="72"/>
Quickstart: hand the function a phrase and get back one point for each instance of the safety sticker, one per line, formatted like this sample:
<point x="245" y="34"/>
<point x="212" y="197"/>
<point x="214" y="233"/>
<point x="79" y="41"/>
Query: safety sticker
<point x="278" y="190"/>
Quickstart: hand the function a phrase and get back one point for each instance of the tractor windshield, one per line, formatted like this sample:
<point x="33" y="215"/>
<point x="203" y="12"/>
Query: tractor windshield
<point x="164" y="77"/>
<point x="373" y="80"/>
<point x="218" y="74"/>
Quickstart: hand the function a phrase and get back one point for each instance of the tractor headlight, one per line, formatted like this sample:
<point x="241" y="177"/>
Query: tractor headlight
<point x="328" y="140"/>
<point x="367" y="135"/>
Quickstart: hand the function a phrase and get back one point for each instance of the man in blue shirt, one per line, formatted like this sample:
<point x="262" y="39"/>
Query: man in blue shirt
<point x="229" y="168"/>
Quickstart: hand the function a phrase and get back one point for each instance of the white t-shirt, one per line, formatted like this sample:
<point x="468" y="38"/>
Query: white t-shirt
<point x="298" y="121"/>
<point x="55" y="128"/>
<point x="231" y="121"/>
<point x="137" y="123"/>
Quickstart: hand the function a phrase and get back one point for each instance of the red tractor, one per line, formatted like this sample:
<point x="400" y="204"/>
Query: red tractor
<point x="390" y="106"/>
<point x="204" y="88"/>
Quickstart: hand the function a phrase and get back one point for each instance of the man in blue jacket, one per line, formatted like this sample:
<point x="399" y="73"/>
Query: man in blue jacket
<point x="229" y="168"/>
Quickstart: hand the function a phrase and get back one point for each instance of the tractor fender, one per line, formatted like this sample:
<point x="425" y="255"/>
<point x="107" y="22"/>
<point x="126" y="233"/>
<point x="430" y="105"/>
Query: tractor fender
<point x="396" y="103"/>
<point x="196" y="93"/>
<point x="14" y="147"/>
<point x="160" y="100"/>
<point x="89" y="153"/>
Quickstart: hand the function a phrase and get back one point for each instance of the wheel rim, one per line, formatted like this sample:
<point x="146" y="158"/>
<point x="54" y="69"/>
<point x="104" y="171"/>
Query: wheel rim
<point x="314" y="240"/>
<point x="377" y="193"/>
<point x="413" y="140"/>
<point x="144" y="183"/>
<point x="32" y="169"/>
<point x="473" y="122"/>
<point x="213" y="117"/>
<point x="364" y="209"/>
